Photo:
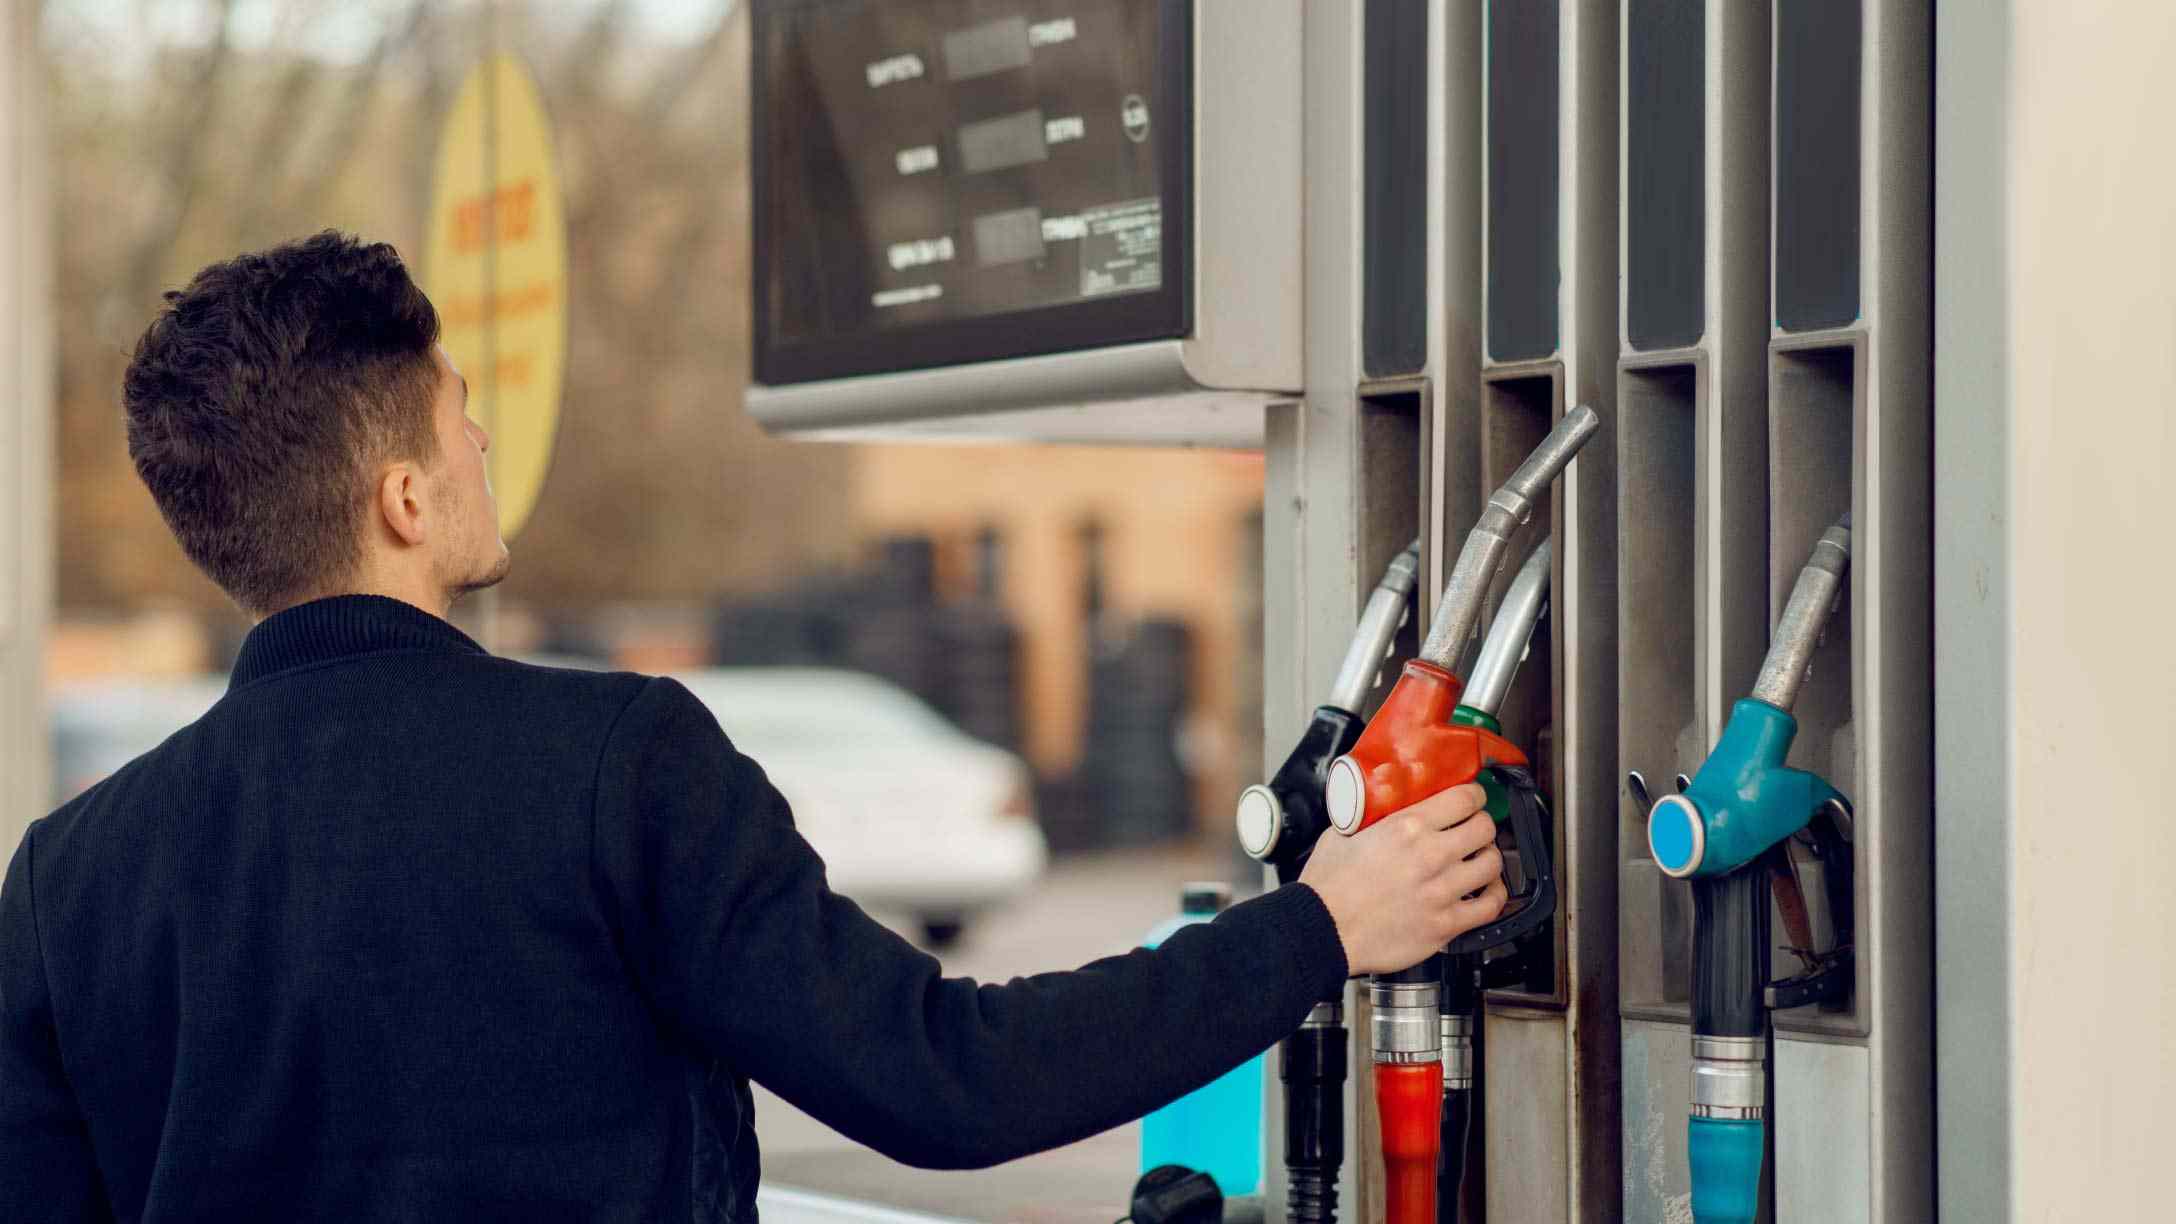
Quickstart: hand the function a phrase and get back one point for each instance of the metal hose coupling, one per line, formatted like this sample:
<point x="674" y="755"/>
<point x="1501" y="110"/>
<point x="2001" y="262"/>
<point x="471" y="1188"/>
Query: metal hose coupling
<point x="1403" y="1027"/>
<point x="1508" y="509"/>
<point x="1457" y="1042"/>
<point x="1729" y="1078"/>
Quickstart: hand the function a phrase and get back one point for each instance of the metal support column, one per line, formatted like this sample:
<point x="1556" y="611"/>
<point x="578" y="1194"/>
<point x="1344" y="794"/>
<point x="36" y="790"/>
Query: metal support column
<point x="1850" y="428"/>
<point x="1314" y="576"/>
<point x="1692" y="497"/>
<point x="1548" y="300"/>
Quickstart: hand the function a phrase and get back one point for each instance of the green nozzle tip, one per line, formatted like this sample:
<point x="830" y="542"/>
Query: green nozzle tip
<point x="1467" y="716"/>
<point x="1725" y="1155"/>
<point x="1499" y="795"/>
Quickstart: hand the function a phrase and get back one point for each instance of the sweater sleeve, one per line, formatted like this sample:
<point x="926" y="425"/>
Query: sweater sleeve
<point x="732" y="932"/>
<point x="47" y="1169"/>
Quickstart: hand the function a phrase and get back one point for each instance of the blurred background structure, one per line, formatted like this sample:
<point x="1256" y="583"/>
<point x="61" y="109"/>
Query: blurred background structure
<point x="1085" y="608"/>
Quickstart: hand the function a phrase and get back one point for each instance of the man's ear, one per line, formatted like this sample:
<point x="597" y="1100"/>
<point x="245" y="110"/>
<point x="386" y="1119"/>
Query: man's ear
<point x="400" y="502"/>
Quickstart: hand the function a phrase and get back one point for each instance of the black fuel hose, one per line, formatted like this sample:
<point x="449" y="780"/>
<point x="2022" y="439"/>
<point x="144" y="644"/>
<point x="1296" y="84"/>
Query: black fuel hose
<point x="1461" y="1012"/>
<point x="1312" y="1066"/>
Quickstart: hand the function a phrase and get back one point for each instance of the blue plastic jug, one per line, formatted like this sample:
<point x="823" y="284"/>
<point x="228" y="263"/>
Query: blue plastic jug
<point x="1216" y="1128"/>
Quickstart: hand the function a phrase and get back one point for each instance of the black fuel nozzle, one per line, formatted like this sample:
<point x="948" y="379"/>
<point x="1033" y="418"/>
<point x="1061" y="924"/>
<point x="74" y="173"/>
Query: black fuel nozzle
<point x="1279" y="823"/>
<point x="1280" y="820"/>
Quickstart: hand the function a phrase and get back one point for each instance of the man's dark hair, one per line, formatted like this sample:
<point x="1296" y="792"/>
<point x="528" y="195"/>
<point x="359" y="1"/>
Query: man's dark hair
<point x="263" y="397"/>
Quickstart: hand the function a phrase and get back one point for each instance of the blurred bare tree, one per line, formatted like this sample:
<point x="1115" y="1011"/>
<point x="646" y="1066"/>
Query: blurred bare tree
<point x="189" y="130"/>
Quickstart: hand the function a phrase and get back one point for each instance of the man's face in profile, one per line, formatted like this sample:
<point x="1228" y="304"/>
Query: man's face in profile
<point x="472" y="554"/>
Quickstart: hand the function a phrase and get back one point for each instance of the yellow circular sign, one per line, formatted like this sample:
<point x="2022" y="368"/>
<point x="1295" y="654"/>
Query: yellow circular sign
<point x="496" y="267"/>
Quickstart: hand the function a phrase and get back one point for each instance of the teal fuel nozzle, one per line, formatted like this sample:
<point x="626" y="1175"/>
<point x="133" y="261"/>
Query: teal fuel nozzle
<point x="1744" y="799"/>
<point x="1718" y="833"/>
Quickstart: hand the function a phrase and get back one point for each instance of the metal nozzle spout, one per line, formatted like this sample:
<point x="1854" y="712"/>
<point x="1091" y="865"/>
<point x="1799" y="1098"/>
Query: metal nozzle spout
<point x="1508" y="508"/>
<point x="1814" y="596"/>
<point x="1379" y="622"/>
<point x="1505" y="646"/>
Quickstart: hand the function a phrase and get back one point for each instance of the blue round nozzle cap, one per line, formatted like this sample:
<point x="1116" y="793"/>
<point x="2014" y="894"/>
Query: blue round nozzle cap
<point x="1725" y="1155"/>
<point x="1676" y="835"/>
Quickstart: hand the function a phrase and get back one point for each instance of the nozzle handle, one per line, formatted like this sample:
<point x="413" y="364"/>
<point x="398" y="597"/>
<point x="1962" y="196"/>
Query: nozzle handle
<point x="1508" y="509"/>
<point x="1279" y="822"/>
<point x="1535" y="903"/>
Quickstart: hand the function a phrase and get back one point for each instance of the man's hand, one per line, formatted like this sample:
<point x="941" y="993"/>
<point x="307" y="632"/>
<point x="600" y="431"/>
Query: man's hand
<point x="1405" y="886"/>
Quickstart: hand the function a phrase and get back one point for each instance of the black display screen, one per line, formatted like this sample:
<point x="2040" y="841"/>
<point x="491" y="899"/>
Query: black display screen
<point x="945" y="181"/>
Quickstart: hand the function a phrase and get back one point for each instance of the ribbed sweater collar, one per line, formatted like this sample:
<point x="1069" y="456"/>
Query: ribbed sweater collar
<point x="327" y="629"/>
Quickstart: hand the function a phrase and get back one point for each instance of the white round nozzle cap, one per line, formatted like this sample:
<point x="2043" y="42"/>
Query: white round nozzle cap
<point x="1261" y="820"/>
<point x="1345" y="794"/>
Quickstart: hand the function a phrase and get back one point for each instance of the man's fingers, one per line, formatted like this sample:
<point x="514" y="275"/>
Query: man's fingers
<point x="1477" y="833"/>
<point x="1477" y="873"/>
<point x="1483" y="906"/>
<point x="1447" y="809"/>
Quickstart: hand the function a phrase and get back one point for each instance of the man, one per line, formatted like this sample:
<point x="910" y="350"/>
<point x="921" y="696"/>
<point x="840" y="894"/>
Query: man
<point x="402" y="931"/>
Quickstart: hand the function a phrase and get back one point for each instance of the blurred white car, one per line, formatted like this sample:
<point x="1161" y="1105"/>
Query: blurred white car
<point x="912" y="815"/>
<point x="99" y="726"/>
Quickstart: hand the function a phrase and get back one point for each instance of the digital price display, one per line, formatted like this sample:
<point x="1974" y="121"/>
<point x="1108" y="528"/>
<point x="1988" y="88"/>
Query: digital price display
<point x="948" y="181"/>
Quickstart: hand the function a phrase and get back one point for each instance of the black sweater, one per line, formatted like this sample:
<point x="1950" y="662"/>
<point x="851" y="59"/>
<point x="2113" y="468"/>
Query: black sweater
<point x="403" y="931"/>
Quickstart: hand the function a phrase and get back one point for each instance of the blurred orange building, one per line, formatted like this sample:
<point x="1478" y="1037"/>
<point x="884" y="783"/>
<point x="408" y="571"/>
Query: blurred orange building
<point x="1177" y="542"/>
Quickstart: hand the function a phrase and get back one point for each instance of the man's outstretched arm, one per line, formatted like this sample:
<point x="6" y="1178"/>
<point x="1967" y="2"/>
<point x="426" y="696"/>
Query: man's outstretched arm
<point x="731" y="928"/>
<point x="47" y="1169"/>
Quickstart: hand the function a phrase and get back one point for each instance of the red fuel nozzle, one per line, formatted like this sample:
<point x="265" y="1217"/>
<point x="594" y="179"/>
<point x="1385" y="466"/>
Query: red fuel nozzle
<point x="1411" y="750"/>
<point x="1409" y="1099"/>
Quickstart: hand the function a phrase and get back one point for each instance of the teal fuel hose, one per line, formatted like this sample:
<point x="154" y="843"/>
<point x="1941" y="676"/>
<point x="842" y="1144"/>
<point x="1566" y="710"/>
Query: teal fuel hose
<point x="1725" y="1155"/>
